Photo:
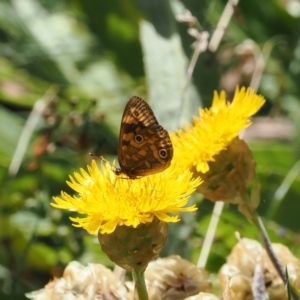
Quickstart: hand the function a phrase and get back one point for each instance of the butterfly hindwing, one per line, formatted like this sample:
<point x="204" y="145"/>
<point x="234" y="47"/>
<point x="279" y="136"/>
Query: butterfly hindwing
<point x="144" y="146"/>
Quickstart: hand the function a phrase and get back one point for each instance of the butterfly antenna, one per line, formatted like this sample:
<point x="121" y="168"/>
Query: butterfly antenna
<point x="102" y="158"/>
<point x="106" y="161"/>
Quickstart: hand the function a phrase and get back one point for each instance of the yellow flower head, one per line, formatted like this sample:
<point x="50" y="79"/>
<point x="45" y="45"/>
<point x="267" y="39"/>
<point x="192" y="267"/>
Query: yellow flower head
<point x="215" y="128"/>
<point x="107" y="200"/>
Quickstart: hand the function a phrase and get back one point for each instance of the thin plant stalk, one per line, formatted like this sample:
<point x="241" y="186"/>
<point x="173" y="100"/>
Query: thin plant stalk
<point x="257" y="222"/>
<point x="212" y="46"/>
<point x="28" y="130"/>
<point x="283" y="189"/>
<point x="211" y="231"/>
<point x="222" y="25"/>
<point x="140" y="285"/>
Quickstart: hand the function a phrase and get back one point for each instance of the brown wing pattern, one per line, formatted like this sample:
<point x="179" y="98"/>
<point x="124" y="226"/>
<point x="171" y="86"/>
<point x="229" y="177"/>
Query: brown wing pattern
<point x="144" y="146"/>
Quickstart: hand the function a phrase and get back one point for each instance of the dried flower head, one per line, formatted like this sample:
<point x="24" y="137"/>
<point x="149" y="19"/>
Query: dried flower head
<point x="79" y="282"/>
<point x="236" y="276"/>
<point x="203" y="296"/>
<point x="175" y="278"/>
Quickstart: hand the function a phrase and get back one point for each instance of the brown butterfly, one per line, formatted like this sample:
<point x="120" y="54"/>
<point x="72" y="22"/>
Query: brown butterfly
<point x="145" y="147"/>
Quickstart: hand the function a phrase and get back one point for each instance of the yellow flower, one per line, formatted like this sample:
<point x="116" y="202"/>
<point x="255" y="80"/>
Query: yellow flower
<point x="107" y="200"/>
<point x="214" y="129"/>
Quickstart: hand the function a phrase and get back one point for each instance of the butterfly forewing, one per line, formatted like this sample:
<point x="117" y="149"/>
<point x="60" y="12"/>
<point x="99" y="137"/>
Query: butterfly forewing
<point x="144" y="146"/>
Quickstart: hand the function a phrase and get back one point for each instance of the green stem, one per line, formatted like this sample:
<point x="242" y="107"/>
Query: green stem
<point x="140" y="286"/>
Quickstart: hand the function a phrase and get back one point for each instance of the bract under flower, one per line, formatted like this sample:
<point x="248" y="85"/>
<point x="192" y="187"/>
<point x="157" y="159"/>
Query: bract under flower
<point x="215" y="128"/>
<point x="108" y="200"/>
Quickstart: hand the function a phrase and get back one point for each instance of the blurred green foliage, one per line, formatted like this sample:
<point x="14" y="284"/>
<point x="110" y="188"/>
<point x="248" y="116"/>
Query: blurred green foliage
<point x="81" y="61"/>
